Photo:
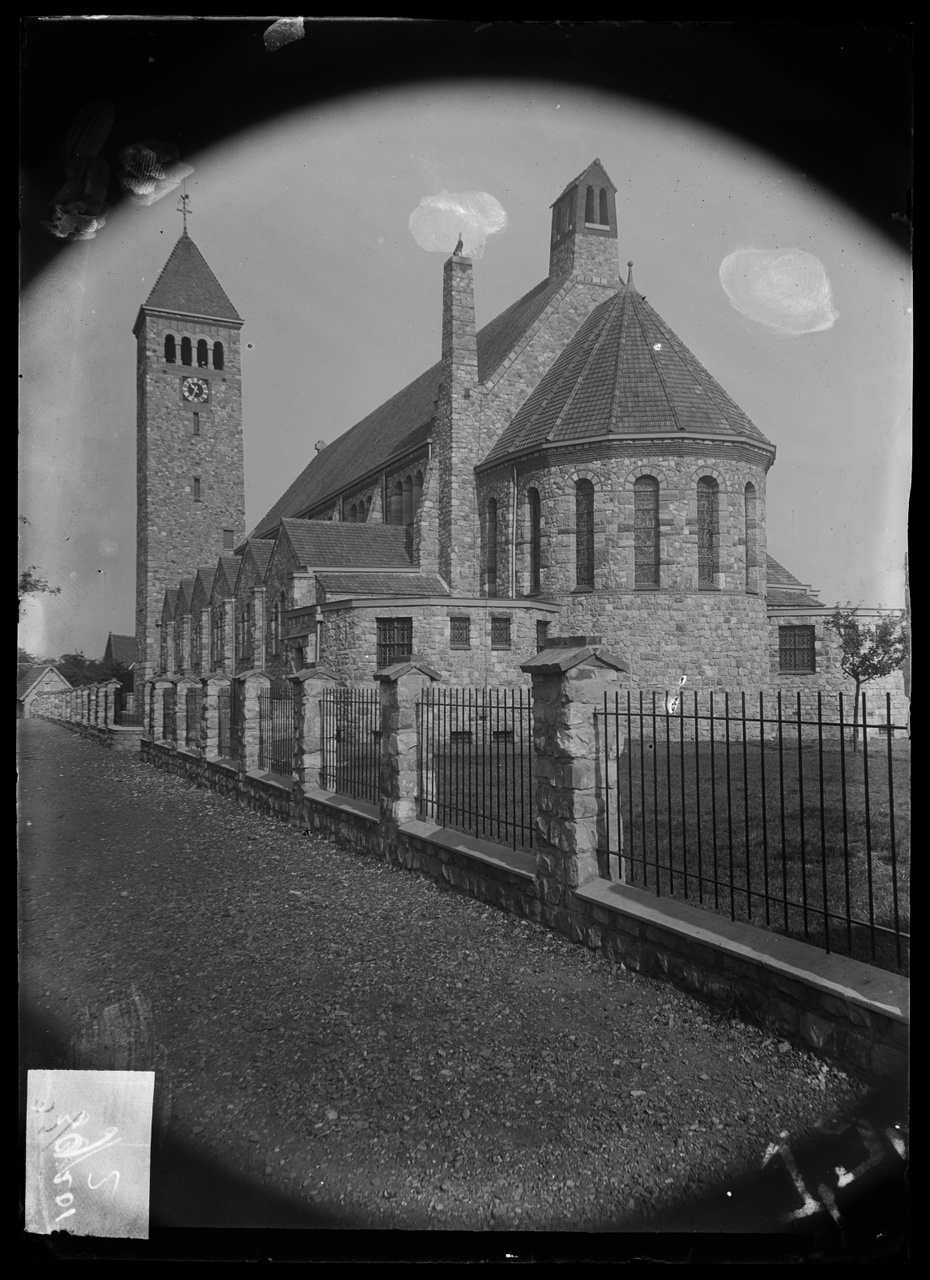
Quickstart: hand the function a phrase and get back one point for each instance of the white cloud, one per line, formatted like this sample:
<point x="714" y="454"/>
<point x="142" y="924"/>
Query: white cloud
<point x="787" y="290"/>
<point x="438" y="221"/>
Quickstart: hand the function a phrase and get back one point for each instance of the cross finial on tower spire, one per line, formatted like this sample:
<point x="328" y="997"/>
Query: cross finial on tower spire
<point x="183" y="208"/>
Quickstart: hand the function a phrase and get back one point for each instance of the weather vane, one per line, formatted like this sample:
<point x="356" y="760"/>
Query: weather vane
<point x="182" y="208"/>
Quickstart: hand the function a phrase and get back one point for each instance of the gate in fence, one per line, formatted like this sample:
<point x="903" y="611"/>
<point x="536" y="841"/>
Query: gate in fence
<point x="350" y="731"/>
<point x="276" y="729"/>
<point x="170" y="715"/>
<point x="789" y="815"/>
<point x="476" y="762"/>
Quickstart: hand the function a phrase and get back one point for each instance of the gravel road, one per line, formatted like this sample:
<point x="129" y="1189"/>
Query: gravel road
<point x="342" y="1044"/>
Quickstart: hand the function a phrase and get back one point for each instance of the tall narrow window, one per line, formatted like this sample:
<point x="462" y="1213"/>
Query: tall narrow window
<point x="397" y="505"/>
<point x="584" y="534"/>
<point x="752" y="557"/>
<point x="708" y="513"/>
<point x="589" y="205"/>
<point x="646" y="532"/>
<point x="186" y="354"/>
<point x="196" y="488"/>
<point x="202" y="353"/>
<point x="352" y="516"/>
<point x="605" y="220"/>
<point x="492" y="547"/>
<point x="535" y="521"/>
<point x="408" y="501"/>
<point x="217" y="355"/>
<point x="196" y="423"/>
<point x="171" y="350"/>
<point x="227" y="539"/>
<point x="542" y="636"/>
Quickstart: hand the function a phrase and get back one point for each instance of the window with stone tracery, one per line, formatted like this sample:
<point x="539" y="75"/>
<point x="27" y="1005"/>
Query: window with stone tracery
<point x="534" y="512"/>
<point x="646" y="531"/>
<point x="584" y="534"/>
<point x="708" y="513"/>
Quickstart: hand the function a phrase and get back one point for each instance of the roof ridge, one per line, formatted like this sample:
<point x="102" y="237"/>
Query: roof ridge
<point x="652" y="356"/>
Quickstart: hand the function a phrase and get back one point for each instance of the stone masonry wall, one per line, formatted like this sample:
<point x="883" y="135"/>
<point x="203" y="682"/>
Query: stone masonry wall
<point x="350" y="640"/>
<point x="175" y="533"/>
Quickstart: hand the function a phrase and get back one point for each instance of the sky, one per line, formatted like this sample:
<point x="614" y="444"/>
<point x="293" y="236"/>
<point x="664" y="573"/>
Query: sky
<point x="327" y="228"/>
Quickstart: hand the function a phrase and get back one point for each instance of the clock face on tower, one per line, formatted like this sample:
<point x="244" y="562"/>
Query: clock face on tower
<point x="195" y="389"/>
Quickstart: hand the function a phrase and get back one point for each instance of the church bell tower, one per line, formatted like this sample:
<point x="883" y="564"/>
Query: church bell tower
<point x="583" y="242"/>
<point x="189" y="467"/>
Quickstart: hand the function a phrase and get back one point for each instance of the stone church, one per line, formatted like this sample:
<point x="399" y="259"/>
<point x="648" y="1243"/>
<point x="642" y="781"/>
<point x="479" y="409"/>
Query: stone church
<point x="570" y="468"/>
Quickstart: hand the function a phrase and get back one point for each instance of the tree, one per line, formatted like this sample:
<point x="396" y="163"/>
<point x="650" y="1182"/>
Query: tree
<point x="868" y="652"/>
<point x="31" y="581"/>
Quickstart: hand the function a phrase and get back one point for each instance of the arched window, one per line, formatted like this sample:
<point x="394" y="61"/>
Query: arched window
<point x="752" y="554"/>
<point x="584" y="534"/>
<point x="185" y="351"/>
<point x="646" y="532"/>
<point x="171" y="349"/>
<point x="202" y="353"/>
<point x="352" y="514"/>
<point x="534" y="515"/>
<point x="408" y="500"/>
<point x="492" y="547"/>
<point x="397" y="505"/>
<point x="589" y="205"/>
<point x="603" y="208"/>
<point x="217" y="355"/>
<point x="708" y="513"/>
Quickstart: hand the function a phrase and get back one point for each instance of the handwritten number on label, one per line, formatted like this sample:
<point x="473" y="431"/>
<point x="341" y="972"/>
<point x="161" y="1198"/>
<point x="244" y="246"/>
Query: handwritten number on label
<point x="95" y="1185"/>
<point x="782" y="1149"/>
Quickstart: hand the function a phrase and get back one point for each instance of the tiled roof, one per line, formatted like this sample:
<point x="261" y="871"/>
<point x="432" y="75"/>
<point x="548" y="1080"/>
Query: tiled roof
<point x="784" y="591"/>
<point x="381" y="584"/>
<point x="185" y="591"/>
<point x="624" y="373"/>
<point x="322" y="544"/>
<point x="187" y="286"/>
<point x="405" y="421"/>
<point x="584" y="173"/>
<point x="28" y="675"/>
<point x="261" y="550"/>
<point x="227" y="571"/>
<point x="122" y="649"/>
<point x="206" y="576"/>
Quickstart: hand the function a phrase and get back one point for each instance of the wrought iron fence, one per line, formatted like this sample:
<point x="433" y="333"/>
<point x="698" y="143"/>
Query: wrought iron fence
<point x="790" y="814"/>
<point x="351" y="742"/>
<point x="124" y="709"/>
<point x="476" y="762"/>
<point x="192" y="702"/>
<point x="170" y="715"/>
<point x="276" y="731"/>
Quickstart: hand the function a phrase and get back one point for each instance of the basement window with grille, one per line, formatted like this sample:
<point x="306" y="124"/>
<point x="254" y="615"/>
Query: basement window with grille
<point x="796" y="649"/>
<point x="460" y="633"/>
<point x="500" y="633"/>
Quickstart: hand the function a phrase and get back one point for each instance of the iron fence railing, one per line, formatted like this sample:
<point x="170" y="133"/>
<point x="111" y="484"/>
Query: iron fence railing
<point x="476" y="762"/>
<point x="791" y="814"/>
<point x="192" y="701"/>
<point x="124" y="710"/>
<point x="276" y="732"/>
<point x="350" y="722"/>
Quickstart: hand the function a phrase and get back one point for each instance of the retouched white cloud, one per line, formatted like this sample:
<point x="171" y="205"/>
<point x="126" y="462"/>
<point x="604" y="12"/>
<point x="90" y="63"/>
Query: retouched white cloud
<point x="438" y="221"/>
<point x="786" y="290"/>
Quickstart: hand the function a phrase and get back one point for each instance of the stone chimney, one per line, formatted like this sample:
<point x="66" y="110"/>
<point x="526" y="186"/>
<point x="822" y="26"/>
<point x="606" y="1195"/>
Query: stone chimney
<point x="450" y="500"/>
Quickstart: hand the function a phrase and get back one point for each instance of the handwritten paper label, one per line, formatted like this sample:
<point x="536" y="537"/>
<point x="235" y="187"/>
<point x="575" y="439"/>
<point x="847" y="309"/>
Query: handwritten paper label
<point x="88" y="1150"/>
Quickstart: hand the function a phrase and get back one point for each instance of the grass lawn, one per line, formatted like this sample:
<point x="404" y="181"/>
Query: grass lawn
<point x="811" y="844"/>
